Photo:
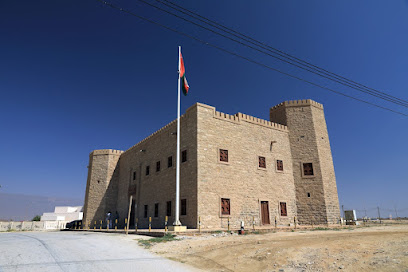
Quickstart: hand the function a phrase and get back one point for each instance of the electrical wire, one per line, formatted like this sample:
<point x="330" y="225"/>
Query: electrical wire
<point x="276" y="51"/>
<point x="245" y="58"/>
<point x="396" y="101"/>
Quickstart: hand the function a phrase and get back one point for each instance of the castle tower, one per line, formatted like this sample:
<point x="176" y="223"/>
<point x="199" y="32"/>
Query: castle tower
<point x="313" y="170"/>
<point x="101" y="185"/>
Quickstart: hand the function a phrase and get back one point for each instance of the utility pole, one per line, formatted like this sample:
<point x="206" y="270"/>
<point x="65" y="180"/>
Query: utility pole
<point x="379" y="216"/>
<point x="396" y="213"/>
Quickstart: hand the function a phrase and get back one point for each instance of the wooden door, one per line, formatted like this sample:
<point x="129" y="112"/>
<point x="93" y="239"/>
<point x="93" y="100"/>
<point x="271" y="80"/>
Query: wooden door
<point x="265" y="212"/>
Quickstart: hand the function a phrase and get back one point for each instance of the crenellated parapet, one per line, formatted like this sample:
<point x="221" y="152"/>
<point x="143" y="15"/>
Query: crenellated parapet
<point x="106" y="152"/>
<point x="298" y="103"/>
<point x="241" y="117"/>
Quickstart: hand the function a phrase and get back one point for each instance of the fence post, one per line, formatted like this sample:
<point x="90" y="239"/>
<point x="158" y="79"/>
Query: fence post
<point x="253" y="222"/>
<point x="125" y="224"/>
<point x="116" y="224"/>
<point x="165" y="224"/>
<point x="199" y="224"/>
<point x="136" y="221"/>
<point x="80" y="225"/>
<point x="228" y="221"/>
<point x="150" y="224"/>
<point x="95" y="225"/>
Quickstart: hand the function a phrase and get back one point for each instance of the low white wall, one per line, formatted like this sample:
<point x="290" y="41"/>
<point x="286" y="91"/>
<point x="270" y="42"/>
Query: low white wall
<point x="32" y="225"/>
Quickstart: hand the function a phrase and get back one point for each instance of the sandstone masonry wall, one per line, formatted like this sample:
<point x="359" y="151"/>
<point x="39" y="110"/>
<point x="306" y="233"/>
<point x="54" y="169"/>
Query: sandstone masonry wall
<point x="316" y="196"/>
<point x="159" y="186"/>
<point x="241" y="180"/>
<point x="101" y="187"/>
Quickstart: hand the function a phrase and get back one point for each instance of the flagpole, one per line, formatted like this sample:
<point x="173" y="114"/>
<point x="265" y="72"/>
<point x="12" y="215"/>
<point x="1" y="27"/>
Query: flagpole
<point x="177" y="219"/>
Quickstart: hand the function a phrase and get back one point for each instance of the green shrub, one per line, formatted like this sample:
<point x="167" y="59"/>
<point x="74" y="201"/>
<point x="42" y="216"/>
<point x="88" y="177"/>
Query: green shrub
<point x="166" y="238"/>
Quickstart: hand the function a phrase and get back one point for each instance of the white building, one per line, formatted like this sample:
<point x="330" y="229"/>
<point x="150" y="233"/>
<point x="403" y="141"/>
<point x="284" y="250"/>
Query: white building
<point x="61" y="216"/>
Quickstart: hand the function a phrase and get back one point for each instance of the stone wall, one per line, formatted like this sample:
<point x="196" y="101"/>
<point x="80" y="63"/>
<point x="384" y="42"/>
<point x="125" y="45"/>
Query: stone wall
<point x="296" y="134"/>
<point x="159" y="186"/>
<point x="102" y="183"/>
<point x="241" y="180"/>
<point x="316" y="196"/>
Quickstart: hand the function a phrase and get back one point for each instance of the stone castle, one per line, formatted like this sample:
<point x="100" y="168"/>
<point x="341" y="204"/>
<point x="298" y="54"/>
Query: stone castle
<point x="235" y="167"/>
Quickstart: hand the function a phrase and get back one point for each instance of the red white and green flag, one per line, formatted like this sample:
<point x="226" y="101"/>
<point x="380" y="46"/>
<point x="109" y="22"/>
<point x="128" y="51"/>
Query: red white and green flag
<point x="182" y="74"/>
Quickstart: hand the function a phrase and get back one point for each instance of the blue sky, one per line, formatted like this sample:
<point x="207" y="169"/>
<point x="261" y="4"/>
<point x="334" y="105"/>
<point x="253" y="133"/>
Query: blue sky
<point x="77" y="76"/>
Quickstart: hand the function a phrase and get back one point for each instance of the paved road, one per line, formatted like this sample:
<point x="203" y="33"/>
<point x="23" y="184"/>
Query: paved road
<point x="78" y="251"/>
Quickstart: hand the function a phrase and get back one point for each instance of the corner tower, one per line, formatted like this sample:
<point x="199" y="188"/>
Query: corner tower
<point x="101" y="185"/>
<point x="313" y="170"/>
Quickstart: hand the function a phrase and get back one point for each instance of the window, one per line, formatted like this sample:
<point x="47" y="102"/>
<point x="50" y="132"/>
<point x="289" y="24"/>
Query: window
<point x="225" y="206"/>
<point x="147" y="170"/>
<point x="134" y="175"/>
<point x="279" y="165"/>
<point x="262" y="162"/>
<point x="168" y="213"/>
<point x="183" y="207"/>
<point x="170" y="161"/>
<point x="308" y="194"/>
<point x="283" y="209"/>
<point x="308" y="169"/>
<point x="158" y="166"/>
<point x="223" y="155"/>
<point x="145" y="211"/>
<point x="156" y="210"/>
<point x="184" y="156"/>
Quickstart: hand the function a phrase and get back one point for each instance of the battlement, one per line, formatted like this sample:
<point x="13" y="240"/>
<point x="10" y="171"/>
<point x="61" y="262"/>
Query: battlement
<point x="106" y="152"/>
<point x="241" y="117"/>
<point x="298" y="103"/>
<point x="155" y="133"/>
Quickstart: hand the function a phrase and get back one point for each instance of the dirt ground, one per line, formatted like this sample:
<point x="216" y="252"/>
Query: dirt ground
<point x="376" y="248"/>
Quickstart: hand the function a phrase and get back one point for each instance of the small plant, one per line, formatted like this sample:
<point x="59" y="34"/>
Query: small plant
<point x="36" y="218"/>
<point x="166" y="238"/>
<point x="320" y="228"/>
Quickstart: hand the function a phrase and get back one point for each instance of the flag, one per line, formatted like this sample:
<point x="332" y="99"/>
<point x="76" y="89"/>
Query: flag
<point x="184" y="84"/>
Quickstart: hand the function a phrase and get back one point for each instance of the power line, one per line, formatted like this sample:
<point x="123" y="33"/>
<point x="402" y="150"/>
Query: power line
<point x="289" y="59"/>
<point x="272" y="49"/>
<point x="245" y="58"/>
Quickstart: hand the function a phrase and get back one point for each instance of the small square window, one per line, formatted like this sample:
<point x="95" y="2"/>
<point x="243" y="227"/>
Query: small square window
<point x="283" y="209"/>
<point x="170" y="161"/>
<point x="184" y="156"/>
<point x="308" y="169"/>
<point x="158" y="166"/>
<point x="262" y="162"/>
<point x="279" y="165"/>
<point x="308" y="194"/>
<point x="168" y="213"/>
<point x="223" y="155"/>
<point x="145" y="210"/>
<point x="225" y="206"/>
<point x="183" y="207"/>
<point x="147" y="170"/>
<point x="156" y="210"/>
<point x="134" y="175"/>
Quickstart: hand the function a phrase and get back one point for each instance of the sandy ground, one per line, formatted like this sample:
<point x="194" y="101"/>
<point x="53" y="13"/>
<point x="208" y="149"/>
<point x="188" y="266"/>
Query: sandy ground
<point x="378" y="248"/>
